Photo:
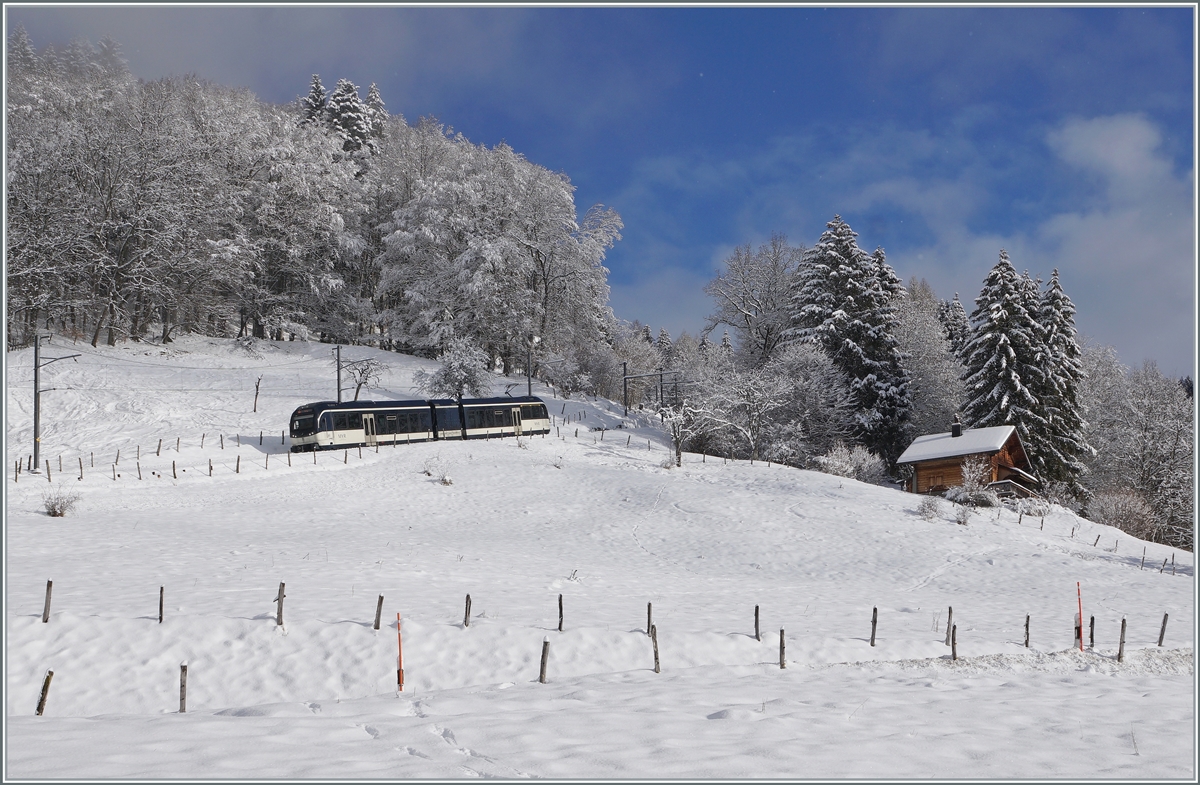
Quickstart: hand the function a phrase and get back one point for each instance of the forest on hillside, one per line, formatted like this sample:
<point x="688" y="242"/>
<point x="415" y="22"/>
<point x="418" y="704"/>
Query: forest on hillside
<point x="139" y="210"/>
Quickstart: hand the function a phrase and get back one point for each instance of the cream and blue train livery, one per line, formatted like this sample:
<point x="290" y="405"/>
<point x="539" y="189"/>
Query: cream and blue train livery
<point x="328" y="425"/>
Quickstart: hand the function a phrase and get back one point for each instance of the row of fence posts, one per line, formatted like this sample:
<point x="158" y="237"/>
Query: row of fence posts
<point x="651" y="630"/>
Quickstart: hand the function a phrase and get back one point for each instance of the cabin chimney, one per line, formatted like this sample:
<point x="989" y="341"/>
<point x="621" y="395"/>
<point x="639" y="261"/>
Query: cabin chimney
<point x="956" y="427"/>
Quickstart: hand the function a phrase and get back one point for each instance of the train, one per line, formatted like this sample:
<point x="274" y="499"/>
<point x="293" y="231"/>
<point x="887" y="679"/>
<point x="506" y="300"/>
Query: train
<point x="329" y="425"/>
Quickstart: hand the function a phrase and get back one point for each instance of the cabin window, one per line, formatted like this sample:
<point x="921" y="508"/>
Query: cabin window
<point x="339" y="422"/>
<point x="424" y="420"/>
<point x="448" y="418"/>
<point x="326" y="422"/>
<point x="355" y="420"/>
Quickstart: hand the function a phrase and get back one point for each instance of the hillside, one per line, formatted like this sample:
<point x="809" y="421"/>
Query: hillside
<point x="600" y="522"/>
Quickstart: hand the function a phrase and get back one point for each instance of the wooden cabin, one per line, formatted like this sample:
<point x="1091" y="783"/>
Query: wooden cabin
<point x="937" y="460"/>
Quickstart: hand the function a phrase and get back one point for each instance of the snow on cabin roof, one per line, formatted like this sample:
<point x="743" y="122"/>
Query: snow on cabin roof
<point x="943" y="445"/>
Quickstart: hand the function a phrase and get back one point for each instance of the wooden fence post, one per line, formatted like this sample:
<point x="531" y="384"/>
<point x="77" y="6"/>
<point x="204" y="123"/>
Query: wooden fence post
<point x="1027" y="630"/>
<point x="49" y="480"/>
<point x="654" y="640"/>
<point x="467" y="613"/>
<point x="139" y="468"/>
<point x="399" y="657"/>
<point x="174" y="475"/>
<point x="649" y="617"/>
<point x="545" y="656"/>
<point x="41" y="707"/>
<point x="560" y="613"/>
<point x="46" y="611"/>
<point x="1092" y="632"/>
<point x="949" y="623"/>
<point x="158" y="452"/>
<point x="161" y="595"/>
<point x="874" y="618"/>
<point x="757" y="634"/>
<point x="183" y="688"/>
<point x="782" y="660"/>
<point x="237" y="469"/>
<point x="279" y="611"/>
<point x="1163" y="631"/>
<point x="1121" y="646"/>
<point x="954" y="643"/>
<point x="81" y="467"/>
<point x="378" y="611"/>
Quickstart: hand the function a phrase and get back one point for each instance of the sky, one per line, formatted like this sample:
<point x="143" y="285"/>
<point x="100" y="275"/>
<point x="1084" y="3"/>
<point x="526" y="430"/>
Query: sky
<point x="1065" y="136"/>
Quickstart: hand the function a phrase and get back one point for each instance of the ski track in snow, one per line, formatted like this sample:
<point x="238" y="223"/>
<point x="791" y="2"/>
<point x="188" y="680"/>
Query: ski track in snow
<point x="606" y="526"/>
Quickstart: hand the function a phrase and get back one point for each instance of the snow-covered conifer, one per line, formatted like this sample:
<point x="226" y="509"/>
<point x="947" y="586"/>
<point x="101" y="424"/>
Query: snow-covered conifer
<point x="954" y="321"/>
<point x="377" y="115"/>
<point x="842" y="301"/>
<point x="1063" y="444"/>
<point x="313" y="105"/>
<point x="348" y="116"/>
<point x="22" y="57"/>
<point x="663" y="344"/>
<point x="1001" y="359"/>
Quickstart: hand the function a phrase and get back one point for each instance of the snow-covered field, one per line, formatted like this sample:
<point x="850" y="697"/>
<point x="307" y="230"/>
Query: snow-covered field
<point x="600" y="522"/>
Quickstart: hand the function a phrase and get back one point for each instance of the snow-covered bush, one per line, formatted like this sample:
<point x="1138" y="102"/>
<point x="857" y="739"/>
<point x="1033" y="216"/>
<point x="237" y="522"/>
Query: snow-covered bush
<point x="930" y="508"/>
<point x="1127" y="510"/>
<point x="963" y="513"/>
<point x="973" y="492"/>
<point x="59" y="503"/>
<point x="857" y="463"/>
<point x="463" y="372"/>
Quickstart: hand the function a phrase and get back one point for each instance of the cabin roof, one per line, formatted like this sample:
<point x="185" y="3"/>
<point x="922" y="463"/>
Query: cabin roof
<point x="943" y="445"/>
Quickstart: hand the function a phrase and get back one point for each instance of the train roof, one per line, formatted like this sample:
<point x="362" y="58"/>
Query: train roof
<point x="325" y="405"/>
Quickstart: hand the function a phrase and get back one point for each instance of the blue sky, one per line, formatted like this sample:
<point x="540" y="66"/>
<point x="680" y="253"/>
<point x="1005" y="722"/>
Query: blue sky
<point x="1064" y="135"/>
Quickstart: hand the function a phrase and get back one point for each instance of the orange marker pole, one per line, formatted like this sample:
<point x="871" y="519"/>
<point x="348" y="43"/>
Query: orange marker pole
<point x="1079" y="597"/>
<point x="399" y="657"/>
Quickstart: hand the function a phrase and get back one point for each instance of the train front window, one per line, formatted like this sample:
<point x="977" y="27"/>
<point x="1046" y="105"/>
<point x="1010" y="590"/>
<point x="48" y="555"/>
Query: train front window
<point x="303" y="426"/>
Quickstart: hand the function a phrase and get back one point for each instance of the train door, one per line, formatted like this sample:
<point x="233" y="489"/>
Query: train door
<point x="516" y="418"/>
<point x="369" y="429"/>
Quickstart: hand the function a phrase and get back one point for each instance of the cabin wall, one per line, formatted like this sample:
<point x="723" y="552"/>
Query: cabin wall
<point x="945" y="473"/>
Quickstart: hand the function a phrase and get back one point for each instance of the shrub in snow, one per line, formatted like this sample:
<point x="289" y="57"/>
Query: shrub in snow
<point x="973" y="492"/>
<point x="59" y="503"/>
<point x="1127" y="510"/>
<point x="930" y="508"/>
<point x="962" y="514"/>
<point x="857" y="463"/>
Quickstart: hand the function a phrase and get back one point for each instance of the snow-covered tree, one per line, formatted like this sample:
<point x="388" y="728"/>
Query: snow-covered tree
<point x="377" y="115"/>
<point x="954" y="321"/>
<point x="1141" y="426"/>
<point x="463" y="373"/>
<point x="1002" y="359"/>
<point x="347" y="116"/>
<point x="842" y="301"/>
<point x="934" y="370"/>
<point x="1063" y="443"/>
<point x="663" y="344"/>
<point x="312" y="106"/>
<point x="22" y="57"/>
<point x="752" y="294"/>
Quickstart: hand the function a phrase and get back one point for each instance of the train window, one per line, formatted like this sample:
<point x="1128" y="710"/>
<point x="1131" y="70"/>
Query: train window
<point x="339" y="421"/>
<point x="326" y="422"/>
<point x="355" y="420"/>
<point x="448" y="418"/>
<point x="425" y="421"/>
<point x="500" y="418"/>
<point x="387" y="424"/>
<point x="302" y="426"/>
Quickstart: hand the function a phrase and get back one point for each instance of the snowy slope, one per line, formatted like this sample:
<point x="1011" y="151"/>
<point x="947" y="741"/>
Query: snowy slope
<point x="600" y="522"/>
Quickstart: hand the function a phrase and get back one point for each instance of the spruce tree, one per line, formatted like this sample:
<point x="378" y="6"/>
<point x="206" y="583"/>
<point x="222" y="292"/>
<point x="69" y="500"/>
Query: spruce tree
<point x="22" y="57"/>
<point x="663" y="345"/>
<point x="348" y="116"/>
<point x="954" y="321"/>
<point x="842" y="301"/>
<point x="1064" y="443"/>
<point x="377" y="115"/>
<point x="1001" y="359"/>
<point x="313" y="105"/>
